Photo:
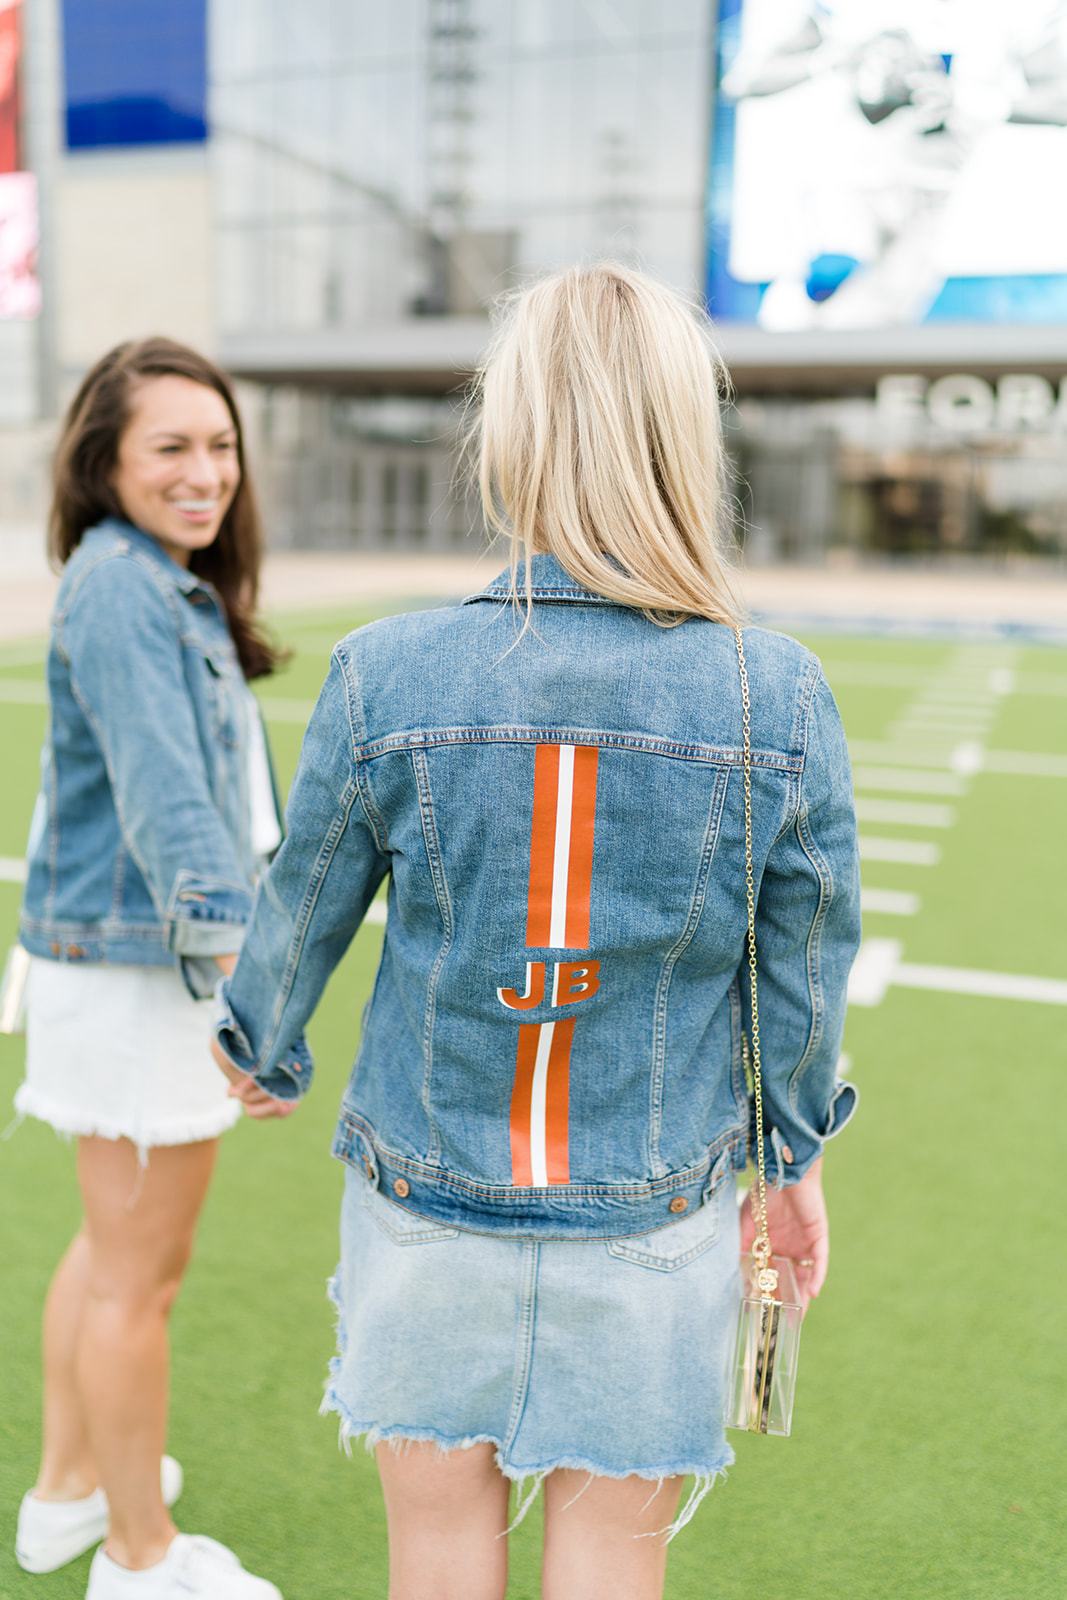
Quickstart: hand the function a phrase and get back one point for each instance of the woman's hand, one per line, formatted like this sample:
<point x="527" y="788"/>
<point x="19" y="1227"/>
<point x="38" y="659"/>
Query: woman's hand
<point x="256" y="1101"/>
<point x="799" y="1228"/>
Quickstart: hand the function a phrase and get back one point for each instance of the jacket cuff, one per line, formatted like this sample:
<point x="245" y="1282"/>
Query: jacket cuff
<point x="205" y="916"/>
<point x="790" y="1152"/>
<point x="287" y="1079"/>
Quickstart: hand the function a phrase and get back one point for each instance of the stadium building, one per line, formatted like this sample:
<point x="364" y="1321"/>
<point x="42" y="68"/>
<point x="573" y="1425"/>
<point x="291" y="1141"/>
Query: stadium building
<point x="329" y="196"/>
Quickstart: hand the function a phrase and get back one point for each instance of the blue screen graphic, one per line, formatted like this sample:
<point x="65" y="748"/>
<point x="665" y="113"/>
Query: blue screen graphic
<point x="887" y="164"/>
<point x="136" y="72"/>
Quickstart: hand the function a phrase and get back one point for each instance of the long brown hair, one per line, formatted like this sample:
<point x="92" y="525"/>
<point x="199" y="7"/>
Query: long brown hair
<point x="85" y="460"/>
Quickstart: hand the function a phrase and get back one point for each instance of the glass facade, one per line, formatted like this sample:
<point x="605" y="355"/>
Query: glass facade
<point x="390" y="162"/>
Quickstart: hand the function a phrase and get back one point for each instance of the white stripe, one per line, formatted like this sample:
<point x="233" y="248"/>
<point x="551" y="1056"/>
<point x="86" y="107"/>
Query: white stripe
<point x="1020" y="763"/>
<point x="908" y="782"/>
<point x="1002" y="680"/>
<point x="557" y="922"/>
<point x="909" y="812"/>
<point x="873" y="971"/>
<point x="911" y="853"/>
<point x="539" y="1106"/>
<point x="994" y="985"/>
<point x="893" y="902"/>
<point x="968" y="758"/>
<point x="377" y="912"/>
<point x="12" y="869"/>
<point x="23" y="692"/>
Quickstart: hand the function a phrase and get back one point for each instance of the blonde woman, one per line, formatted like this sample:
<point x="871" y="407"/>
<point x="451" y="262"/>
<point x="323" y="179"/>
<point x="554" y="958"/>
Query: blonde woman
<point x="539" y="1236"/>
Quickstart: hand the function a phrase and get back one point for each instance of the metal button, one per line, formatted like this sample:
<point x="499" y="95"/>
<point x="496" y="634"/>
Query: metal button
<point x="787" y="1154"/>
<point x="56" y="949"/>
<point x="75" y="951"/>
<point x="296" y="1066"/>
<point x="679" y="1204"/>
<point x="401" y="1187"/>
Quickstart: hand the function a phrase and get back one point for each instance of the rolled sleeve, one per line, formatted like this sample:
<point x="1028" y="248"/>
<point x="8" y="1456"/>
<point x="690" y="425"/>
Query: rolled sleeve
<point x="807" y="935"/>
<point x="308" y="905"/>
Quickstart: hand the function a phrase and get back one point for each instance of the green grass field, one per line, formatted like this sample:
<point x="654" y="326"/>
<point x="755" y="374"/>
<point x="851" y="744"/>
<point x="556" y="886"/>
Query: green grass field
<point x="927" y="1459"/>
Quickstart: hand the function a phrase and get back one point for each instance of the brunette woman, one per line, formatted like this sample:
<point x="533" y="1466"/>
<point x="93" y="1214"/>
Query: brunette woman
<point x="156" y="811"/>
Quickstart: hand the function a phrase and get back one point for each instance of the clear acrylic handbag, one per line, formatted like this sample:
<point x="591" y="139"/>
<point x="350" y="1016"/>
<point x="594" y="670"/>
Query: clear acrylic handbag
<point x="763" y="1376"/>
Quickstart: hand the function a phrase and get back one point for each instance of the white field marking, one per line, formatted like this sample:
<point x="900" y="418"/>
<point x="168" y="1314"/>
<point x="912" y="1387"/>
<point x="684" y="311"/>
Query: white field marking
<point x="912" y="813"/>
<point x="12" y="869"/>
<point x="890" y="751"/>
<point x="878" y="967"/>
<point x="557" y="921"/>
<point x="1002" y="680"/>
<point x="1021" y="764"/>
<point x="891" y="902"/>
<point x="968" y="758"/>
<point x="876" y="677"/>
<point x="377" y="912"/>
<point x="911" y="852"/>
<point x="993" y="985"/>
<point x="948" y="710"/>
<point x="902" y="781"/>
<point x="538" y="1103"/>
<point x="1040" y="683"/>
<point x="872" y="971"/>
<point x="279" y="708"/>
<point x="32" y="655"/>
<point x="23" y="692"/>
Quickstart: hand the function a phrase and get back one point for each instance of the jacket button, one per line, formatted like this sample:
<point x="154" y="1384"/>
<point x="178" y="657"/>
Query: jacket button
<point x="787" y="1154"/>
<point x="401" y="1187"/>
<point x="75" y="951"/>
<point x="57" y="949"/>
<point x="678" y="1204"/>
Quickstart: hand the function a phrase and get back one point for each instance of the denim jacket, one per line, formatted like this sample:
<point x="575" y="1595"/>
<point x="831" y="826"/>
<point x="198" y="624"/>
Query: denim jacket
<point x="140" y="848"/>
<point x="553" y="1046"/>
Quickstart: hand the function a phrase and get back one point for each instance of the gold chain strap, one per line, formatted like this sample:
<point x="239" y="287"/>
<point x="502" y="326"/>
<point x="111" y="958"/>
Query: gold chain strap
<point x="766" y="1276"/>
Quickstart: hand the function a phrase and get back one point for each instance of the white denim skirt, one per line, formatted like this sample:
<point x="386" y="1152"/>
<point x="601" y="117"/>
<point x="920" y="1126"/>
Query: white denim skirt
<point x="121" y="1052"/>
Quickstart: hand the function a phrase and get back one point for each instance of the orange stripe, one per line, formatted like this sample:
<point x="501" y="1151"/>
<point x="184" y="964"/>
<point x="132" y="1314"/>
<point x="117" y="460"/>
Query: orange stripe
<point x="580" y="870"/>
<point x="542" y="844"/>
<point x="521" y="1096"/>
<point x="557" y="1136"/>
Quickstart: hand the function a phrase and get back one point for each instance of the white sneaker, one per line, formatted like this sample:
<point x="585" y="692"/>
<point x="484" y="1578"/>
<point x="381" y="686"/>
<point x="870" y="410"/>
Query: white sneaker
<point x="193" y="1567"/>
<point x="53" y="1532"/>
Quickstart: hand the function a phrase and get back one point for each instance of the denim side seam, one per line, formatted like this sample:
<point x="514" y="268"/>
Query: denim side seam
<point x="435" y="861"/>
<point x="662" y="996"/>
<point x="328" y="849"/>
<point x="116" y="801"/>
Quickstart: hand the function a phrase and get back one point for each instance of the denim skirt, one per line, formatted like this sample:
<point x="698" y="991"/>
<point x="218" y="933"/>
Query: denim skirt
<point x="605" y="1356"/>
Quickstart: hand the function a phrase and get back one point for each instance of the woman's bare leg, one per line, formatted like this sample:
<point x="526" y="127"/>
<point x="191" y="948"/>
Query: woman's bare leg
<point x="590" y="1549"/>
<point x="140" y="1227"/>
<point x="68" y="1471"/>
<point x="446" y="1512"/>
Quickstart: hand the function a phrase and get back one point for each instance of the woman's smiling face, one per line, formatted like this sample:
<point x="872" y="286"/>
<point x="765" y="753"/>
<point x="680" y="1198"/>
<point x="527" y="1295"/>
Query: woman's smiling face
<point x="178" y="469"/>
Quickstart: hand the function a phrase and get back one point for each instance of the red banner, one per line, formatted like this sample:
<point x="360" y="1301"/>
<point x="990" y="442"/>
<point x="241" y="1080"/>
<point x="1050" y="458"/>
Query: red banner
<point x="9" y="85"/>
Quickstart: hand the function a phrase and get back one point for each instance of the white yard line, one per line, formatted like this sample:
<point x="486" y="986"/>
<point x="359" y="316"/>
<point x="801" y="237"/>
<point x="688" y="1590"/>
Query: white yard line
<point x="1021" y="764"/>
<point x="901" y="780"/>
<point x="23" y="692"/>
<point x="878" y="968"/>
<point x="890" y="902"/>
<point x="909" y="852"/>
<point x="377" y="913"/>
<point x="912" y="813"/>
<point x="12" y="869"/>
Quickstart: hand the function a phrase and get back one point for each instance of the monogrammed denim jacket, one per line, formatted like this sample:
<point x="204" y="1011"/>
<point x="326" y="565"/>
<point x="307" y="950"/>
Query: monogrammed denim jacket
<point x="553" y="1046"/>
<point x="140" y="848"/>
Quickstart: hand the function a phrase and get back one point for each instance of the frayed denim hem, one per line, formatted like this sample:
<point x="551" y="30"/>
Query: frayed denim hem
<point x="399" y="1436"/>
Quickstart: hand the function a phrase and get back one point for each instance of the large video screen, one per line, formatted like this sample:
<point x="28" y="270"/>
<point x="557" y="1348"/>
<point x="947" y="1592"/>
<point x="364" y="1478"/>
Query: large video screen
<point x="886" y="163"/>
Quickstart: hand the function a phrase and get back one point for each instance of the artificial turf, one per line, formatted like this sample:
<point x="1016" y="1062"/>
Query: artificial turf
<point x="927" y="1459"/>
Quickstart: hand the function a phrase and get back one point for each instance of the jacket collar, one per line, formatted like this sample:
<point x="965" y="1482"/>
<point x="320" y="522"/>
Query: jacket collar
<point x="144" y="544"/>
<point x="549" y="580"/>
